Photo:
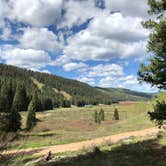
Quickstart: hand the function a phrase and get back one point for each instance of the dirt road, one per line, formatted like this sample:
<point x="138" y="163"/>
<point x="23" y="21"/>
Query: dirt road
<point x="86" y="144"/>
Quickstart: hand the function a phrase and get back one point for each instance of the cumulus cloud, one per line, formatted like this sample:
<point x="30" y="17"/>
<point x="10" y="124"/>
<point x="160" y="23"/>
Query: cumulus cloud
<point x="105" y="70"/>
<point x="74" y="66"/>
<point x="112" y="34"/>
<point x="27" y="58"/>
<point x="36" y="12"/>
<point x="128" y="7"/>
<point x="119" y="36"/>
<point x="39" y="38"/>
<point x="4" y="10"/>
<point x="78" y="12"/>
<point x="113" y="75"/>
<point x="126" y="81"/>
<point x="90" y="81"/>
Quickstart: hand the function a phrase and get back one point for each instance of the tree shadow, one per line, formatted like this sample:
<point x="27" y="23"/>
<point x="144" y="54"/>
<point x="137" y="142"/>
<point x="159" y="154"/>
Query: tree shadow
<point x="145" y="153"/>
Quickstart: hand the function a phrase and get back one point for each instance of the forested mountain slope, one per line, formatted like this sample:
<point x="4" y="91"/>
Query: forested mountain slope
<point x="120" y="94"/>
<point x="61" y="91"/>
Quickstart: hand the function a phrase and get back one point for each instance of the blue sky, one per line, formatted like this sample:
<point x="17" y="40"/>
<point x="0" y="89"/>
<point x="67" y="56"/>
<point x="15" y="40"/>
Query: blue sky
<point x="100" y="42"/>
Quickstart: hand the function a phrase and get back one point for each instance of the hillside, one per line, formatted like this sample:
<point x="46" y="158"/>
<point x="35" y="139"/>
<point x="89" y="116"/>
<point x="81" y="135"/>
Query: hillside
<point x="120" y="94"/>
<point x="61" y="90"/>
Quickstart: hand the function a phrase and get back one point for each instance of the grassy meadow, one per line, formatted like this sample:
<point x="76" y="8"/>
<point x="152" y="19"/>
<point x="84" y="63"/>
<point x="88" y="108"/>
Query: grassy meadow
<point x="67" y="125"/>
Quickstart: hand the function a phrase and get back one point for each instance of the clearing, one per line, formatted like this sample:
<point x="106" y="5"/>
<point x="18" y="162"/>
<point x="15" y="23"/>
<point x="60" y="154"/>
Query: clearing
<point x="69" y="125"/>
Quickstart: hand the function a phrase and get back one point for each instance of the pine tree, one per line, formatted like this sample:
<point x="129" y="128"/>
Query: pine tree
<point x="159" y="114"/>
<point x="5" y="122"/>
<point x="6" y="97"/>
<point x="37" y="102"/>
<point x="155" y="71"/>
<point x="17" y="106"/>
<point x="116" y="114"/>
<point x="66" y="104"/>
<point x="31" y="115"/>
<point x="47" y="104"/>
<point x="10" y="119"/>
<point x="14" y="121"/>
<point x="101" y="114"/>
<point x="20" y="99"/>
<point x="96" y="116"/>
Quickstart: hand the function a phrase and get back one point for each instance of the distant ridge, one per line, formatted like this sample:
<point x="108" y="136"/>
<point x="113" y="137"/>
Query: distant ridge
<point x="60" y="89"/>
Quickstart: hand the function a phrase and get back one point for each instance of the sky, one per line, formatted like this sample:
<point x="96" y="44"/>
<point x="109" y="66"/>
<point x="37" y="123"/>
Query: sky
<point x="99" y="42"/>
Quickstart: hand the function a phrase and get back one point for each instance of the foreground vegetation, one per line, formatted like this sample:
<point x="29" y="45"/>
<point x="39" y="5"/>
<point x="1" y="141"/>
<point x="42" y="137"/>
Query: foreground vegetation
<point x="146" y="153"/>
<point x="140" y="151"/>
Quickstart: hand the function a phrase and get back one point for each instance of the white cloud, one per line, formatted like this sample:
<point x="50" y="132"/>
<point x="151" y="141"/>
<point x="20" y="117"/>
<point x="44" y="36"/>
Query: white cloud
<point x="119" y="37"/>
<point x="105" y="70"/>
<point x="36" y="12"/>
<point x="128" y="7"/>
<point x="113" y="75"/>
<point x="4" y="9"/>
<point x="27" y="58"/>
<point x="45" y="71"/>
<point x="61" y="60"/>
<point x="74" y="66"/>
<point x="77" y="12"/>
<point x="39" y="38"/>
<point x="107" y="36"/>
<point x="6" y="33"/>
<point x="118" y="27"/>
<point x="126" y="81"/>
<point x="87" y="80"/>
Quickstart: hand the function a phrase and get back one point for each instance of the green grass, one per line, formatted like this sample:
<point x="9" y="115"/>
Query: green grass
<point x="67" y="125"/>
<point x="146" y="153"/>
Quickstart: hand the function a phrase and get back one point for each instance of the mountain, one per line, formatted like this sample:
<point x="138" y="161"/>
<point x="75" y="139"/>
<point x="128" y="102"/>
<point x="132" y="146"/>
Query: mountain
<point x="121" y="94"/>
<point x="61" y="90"/>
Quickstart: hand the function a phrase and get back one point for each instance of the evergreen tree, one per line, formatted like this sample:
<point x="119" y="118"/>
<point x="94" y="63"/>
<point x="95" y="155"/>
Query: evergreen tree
<point x="155" y="72"/>
<point x="31" y="115"/>
<point x="66" y="104"/>
<point x="20" y="99"/>
<point x="6" y="97"/>
<point x="116" y="114"/>
<point x="101" y="114"/>
<point x="96" y="116"/>
<point x="10" y="119"/>
<point x="4" y="122"/>
<point x="159" y="114"/>
<point x="47" y="104"/>
<point x="14" y="121"/>
<point x="37" y="102"/>
<point x="17" y="106"/>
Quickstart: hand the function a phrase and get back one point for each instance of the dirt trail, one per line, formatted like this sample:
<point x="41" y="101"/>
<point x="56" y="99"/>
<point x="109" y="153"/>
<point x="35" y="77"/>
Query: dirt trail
<point x="86" y="144"/>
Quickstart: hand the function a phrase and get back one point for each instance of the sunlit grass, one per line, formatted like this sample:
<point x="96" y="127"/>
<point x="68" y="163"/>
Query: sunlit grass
<point x="67" y="125"/>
